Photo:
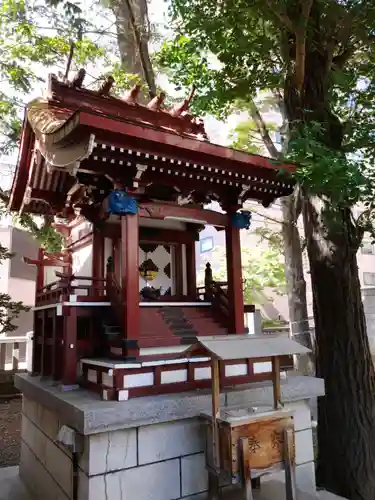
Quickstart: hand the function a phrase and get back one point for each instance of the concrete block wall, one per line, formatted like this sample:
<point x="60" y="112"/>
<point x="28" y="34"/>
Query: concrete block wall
<point x="45" y="467"/>
<point x="162" y="461"/>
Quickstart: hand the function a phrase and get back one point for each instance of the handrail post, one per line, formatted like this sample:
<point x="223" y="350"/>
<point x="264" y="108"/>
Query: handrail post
<point x="208" y="282"/>
<point x="109" y="275"/>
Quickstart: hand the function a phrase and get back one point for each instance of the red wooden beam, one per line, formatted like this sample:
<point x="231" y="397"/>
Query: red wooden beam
<point x="191" y="272"/>
<point x="98" y="256"/>
<point x="191" y="150"/>
<point x="46" y="262"/>
<point x="178" y="270"/>
<point x="154" y="235"/>
<point x="23" y="166"/>
<point x="55" y="199"/>
<point x="184" y="214"/>
<point x="70" y="350"/>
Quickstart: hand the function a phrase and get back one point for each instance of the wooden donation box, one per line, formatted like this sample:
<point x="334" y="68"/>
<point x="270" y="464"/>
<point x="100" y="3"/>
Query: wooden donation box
<point x="244" y="443"/>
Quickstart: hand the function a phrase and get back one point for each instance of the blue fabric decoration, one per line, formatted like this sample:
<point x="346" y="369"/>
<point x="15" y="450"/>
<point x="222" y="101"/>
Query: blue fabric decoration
<point x="120" y="203"/>
<point x="241" y="220"/>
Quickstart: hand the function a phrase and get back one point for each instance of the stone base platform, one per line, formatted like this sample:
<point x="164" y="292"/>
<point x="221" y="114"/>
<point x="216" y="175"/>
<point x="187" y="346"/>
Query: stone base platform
<point x="77" y="447"/>
<point x="12" y="488"/>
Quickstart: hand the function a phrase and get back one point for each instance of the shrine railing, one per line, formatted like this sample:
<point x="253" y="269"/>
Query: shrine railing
<point x="15" y="353"/>
<point x="216" y="292"/>
<point x="84" y="287"/>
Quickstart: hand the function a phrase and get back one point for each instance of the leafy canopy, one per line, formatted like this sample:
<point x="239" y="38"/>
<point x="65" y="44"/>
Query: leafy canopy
<point x="233" y="49"/>
<point x="263" y="272"/>
<point x="37" y="37"/>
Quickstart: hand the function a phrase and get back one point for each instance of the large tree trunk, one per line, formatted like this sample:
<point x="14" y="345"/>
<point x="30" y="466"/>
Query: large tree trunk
<point x="346" y="429"/>
<point x="346" y="414"/>
<point x="296" y="284"/>
<point x="133" y="33"/>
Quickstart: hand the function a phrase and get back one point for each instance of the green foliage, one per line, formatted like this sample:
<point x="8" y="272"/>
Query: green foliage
<point x="326" y="171"/>
<point x="235" y="49"/>
<point x="35" y="36"/>
<point x="274" y="239"/>
<point x="263" y="272"/>
<point x="45" y="234"/>
<point x="244" y="136"/>
<point x="9" y="309"/>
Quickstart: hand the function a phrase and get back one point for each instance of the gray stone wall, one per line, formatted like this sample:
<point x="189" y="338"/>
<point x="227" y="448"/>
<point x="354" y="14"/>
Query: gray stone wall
<point x="163" y="461"/>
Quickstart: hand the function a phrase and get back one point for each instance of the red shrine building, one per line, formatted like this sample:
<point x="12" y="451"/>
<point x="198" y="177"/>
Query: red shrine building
<point x="126" y="185"/>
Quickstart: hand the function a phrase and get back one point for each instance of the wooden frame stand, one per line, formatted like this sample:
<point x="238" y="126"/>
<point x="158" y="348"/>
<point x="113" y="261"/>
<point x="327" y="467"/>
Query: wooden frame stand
<point x="245" y="444"/>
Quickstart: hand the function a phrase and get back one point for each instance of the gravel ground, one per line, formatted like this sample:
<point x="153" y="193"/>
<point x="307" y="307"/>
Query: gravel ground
<point x="10" y="431"/>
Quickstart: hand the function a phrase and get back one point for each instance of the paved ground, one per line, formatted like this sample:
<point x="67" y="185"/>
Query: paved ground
<point x="12" y="489"/>
<point x="10" y="429"/>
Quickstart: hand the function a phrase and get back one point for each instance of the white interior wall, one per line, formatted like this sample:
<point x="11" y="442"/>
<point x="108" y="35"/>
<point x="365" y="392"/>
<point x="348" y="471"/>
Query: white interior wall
<point x="82" y="266"/>
<point x="50" y="274"/>
<point x="161" y="258"/>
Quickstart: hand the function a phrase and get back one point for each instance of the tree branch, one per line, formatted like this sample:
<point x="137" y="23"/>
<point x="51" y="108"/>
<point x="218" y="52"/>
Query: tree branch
<point x="340" y="60"/>
<point x="143" y="51"/>
<point x="267" y="217"/>
<point x="282" y="16"/>
<point x="301" y="32"/>
<point x="263" y="130"/>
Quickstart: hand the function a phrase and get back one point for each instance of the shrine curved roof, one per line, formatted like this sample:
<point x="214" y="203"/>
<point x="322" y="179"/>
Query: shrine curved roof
<point x="73" y="130"/>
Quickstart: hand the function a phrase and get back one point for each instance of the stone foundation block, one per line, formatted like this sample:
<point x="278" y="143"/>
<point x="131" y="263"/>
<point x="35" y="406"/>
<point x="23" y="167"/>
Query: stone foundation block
<point x="34" y="438"/>
<point x="160" y="481"/>
<point x="301" y="415"/>
<point x="305" y="478"/>
<point x="194" y="478"/>
<point x="30" y="409"/>
<point x="164" y="441"/>
<point x="52" y="457"/>
<point x="60" y="466"/>
<point x="109" y="451"/>
<point x="37" y="479"/>
<point x="304" y="447"/>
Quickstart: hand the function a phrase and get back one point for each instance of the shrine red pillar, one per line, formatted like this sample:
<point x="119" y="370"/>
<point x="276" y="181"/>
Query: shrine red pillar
<point x="178" y="271"/>
<point x="69" y="346"/>
<point x="40" y="270"/>
<point x="235" y="286"/>
<point x="130" y="283"/>
<point x="191" y="273"/>
<point x="98" y="261"/>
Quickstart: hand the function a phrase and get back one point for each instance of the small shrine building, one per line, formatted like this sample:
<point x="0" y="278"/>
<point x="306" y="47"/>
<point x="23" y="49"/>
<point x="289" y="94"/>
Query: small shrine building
<point x="126" y="185"/>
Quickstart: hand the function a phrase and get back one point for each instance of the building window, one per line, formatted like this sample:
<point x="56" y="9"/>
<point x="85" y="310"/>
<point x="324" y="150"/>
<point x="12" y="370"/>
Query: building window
<point x="369" y="279"/>
<point x="207" y="244"/>
<point x="367" y="248"/>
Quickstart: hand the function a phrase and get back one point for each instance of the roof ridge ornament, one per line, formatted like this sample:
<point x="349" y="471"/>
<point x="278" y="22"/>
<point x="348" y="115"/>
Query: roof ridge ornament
<point x="183" y="107"/>
<point x="77" y="80"/>
<point x="132" y="95"/>
<point x="157" y="102"/>
<point x="106" y="86"/>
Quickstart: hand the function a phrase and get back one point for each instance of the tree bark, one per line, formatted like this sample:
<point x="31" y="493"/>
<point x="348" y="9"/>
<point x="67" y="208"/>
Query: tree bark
<point x="134" y="54"/>
<point x="296" y="283"/>
<point x="346" y="415"/>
